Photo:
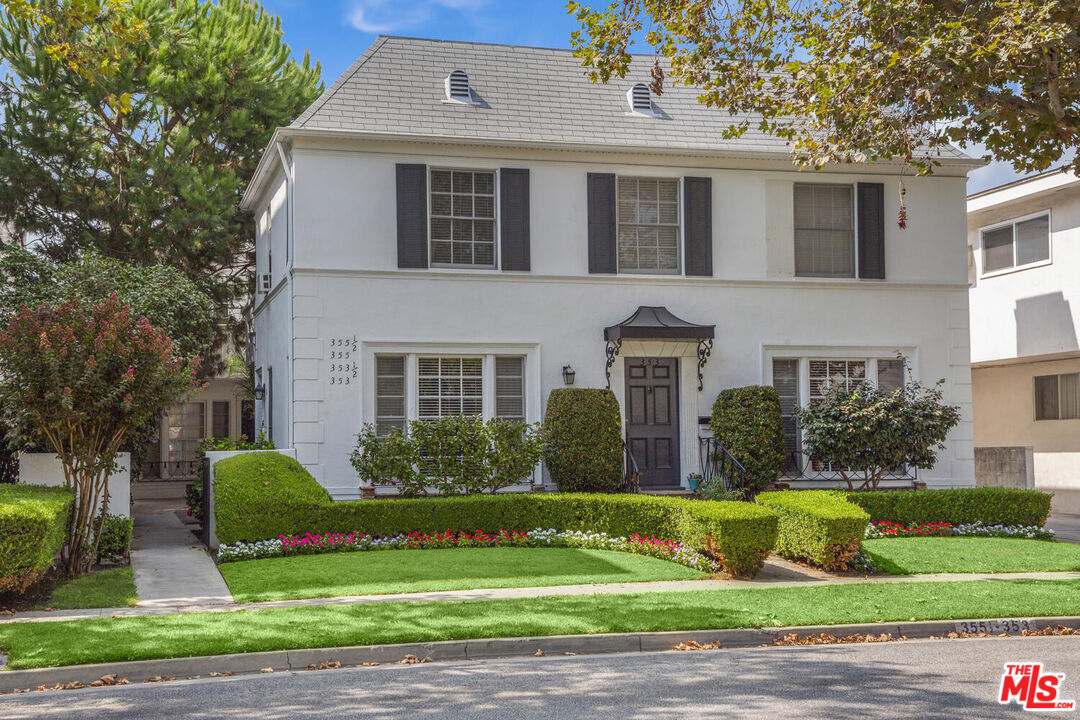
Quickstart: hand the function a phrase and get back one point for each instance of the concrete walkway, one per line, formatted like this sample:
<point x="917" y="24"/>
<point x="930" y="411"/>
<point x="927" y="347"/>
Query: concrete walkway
<point x="171" y="568"/>
<point x="1065" y="527"/>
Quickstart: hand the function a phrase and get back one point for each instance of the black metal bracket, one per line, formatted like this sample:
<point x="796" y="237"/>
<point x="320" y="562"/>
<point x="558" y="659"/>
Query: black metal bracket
<point x="612" y="351"/>
<point x="704" y="351"/>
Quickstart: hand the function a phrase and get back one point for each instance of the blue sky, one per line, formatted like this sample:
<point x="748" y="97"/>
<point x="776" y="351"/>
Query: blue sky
<point x="338" y="31"/>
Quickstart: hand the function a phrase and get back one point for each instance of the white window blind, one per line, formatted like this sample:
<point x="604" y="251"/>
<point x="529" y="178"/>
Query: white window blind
<point x="510" y="388"/>
<point x="848" y="374"/>
<point x="463" y="218"/>
<point x="450" y="386"/>
<point x="824" y="230"/>
<point x="890" y="374"/>
<point x="786" y="382"/>
<point x="648" y="224"/>
<point x="389" y="393"/>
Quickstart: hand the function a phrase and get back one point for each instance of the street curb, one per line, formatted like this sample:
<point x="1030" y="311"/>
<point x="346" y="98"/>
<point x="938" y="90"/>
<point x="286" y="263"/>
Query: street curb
<point x="477" y="649"/>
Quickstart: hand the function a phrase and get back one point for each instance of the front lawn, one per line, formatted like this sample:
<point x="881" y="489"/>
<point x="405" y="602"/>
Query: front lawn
<point x="114" y="587"/>
<point x="51" y="644"/>
<point x="911" y="555"/>
<point x="394" y="571"/>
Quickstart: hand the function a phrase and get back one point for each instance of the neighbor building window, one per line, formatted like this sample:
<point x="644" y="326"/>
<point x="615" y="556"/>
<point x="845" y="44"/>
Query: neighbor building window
<point x="1016" y="243"/>
<point x="1057" y="397"/>
<point x="648" y="224"/>
<point x="824" y="230"/>
<point x="463" y="218"/>
<point x="187" y="428"/>
<point x="220" y="419"/>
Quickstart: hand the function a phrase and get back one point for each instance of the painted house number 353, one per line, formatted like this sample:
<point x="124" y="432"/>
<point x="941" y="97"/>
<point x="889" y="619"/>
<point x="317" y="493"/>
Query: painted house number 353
<point x="342" y="363"/>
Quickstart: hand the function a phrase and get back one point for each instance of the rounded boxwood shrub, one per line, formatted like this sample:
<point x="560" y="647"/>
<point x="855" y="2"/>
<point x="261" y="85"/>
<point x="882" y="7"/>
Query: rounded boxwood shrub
<point x="583" y="440"/>
<point x="747" y="421"/>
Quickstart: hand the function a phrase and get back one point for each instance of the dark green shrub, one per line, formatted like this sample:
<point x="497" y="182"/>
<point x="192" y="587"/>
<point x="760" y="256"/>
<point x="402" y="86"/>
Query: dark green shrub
<point x="115" y="538"/>
<point x="990" y="505"/>
<point x="739" y="535"/>
<point x="747" y="422"/>
<point x="193" y="498"/>
<point x="33" y="526"/>
<point x="817" y="526"/>
<point x="583" y="440"/>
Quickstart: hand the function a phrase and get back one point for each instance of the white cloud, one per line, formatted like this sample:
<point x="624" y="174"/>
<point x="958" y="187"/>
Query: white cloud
<point x="383" y="16"/>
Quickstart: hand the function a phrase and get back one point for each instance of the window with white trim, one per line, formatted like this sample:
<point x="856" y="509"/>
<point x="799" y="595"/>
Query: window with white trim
<point x="1057" y="397"/>
<point x="463" y="218"/>
<point x="389" y="393"/>
<point x="648" y="224"/>
<point x="824" y="230"/>
<point x="1016" y="243"/>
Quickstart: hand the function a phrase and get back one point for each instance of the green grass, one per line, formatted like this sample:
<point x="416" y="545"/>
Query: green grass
<point x="114" y="587"/>
<point x="163" y="636"/>
<point x="908" y="556"/>
<point x="381" y="572"/>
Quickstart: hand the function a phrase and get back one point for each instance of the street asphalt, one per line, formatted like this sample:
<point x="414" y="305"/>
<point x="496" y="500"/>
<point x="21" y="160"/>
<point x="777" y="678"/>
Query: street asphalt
<point x="912" y="679"/>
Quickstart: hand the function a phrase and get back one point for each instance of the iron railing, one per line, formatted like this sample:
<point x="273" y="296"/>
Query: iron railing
<point x="631" y="472"/>
<point x="171" y="469"/>
<point x="801" y="466"/>
<point x="719" y="465"/>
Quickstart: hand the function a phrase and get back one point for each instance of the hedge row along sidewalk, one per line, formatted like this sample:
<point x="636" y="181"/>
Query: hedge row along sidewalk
<point x="33" y="526"/>
<point x="988" y="505"/>
<point x="55" y="644"/>
<point x="265" y="495"/>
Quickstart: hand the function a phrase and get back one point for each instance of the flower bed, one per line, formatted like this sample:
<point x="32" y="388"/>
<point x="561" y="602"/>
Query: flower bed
<point x="311" y="544"/>
<point x="887" y="529"/>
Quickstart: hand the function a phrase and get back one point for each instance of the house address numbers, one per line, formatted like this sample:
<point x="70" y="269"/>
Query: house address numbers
<point x="341" y="360"/>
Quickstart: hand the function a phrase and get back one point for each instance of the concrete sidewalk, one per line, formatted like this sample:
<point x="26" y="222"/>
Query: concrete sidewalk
<point x="171" y="568"/>
<point x="1065" y="527"/>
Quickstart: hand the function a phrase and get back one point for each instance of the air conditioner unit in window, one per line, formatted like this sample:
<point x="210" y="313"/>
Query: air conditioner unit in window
<point x="264" y="282"/>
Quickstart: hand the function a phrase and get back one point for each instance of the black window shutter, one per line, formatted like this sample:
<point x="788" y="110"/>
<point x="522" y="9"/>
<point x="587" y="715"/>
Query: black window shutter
<point x="412" y="228"/>
<point x="697" y="216"/>
<point x="602" y="249"/>
<point x="871" y="213"/>
<point x="514" y="218"/>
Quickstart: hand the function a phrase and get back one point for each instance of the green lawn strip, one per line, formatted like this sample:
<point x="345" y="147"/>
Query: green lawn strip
<point x="393" y="571"/>
<point x="916" y="555"/>
<point x="114" y="587"/>
<point x="116" y="639"/>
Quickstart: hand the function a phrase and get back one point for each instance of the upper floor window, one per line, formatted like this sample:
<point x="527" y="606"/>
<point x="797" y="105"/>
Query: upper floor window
<point x="824" y="230"/>
<point x="648" y="224"/>
<point x="1057" y="397"/>
<point x="1016" y="243"/>
<point x="463" y="218"/>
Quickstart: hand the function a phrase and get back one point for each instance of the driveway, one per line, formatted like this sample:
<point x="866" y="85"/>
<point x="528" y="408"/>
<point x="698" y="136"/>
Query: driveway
<point x="1066" y="527"/>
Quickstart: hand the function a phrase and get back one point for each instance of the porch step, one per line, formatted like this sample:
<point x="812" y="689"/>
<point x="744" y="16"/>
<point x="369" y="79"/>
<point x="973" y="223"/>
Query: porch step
<point x="158" y="489"/>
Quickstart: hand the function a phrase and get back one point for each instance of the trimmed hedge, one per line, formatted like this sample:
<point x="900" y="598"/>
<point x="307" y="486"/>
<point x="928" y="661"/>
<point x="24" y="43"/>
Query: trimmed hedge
<point x="262" y="496"/>
<point x="33" y="526"/>
<point x="817" y="526"/>
<point x="747" y="421"/>
<point x="583" y="440"/>
<point x="990" y="505"/>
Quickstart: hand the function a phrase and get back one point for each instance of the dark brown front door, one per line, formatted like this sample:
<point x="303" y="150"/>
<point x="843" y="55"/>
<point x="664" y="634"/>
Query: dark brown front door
<point x="652" y="419"/>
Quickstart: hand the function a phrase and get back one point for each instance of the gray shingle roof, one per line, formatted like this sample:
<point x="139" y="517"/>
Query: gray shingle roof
<point x="527" y="94"/>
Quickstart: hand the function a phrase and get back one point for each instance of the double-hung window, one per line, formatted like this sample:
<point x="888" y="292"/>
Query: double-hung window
<point x="1016" y="244"/>
<point x="1057" y="397"/>
<point x="824" y="230"/>
<point x="463" y="218"/>
<point x="648" y="224"/>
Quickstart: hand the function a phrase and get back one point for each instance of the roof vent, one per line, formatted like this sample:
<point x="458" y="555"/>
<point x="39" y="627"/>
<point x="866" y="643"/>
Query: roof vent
<point x="457" y="87"/>
<point x="640" y="99"/>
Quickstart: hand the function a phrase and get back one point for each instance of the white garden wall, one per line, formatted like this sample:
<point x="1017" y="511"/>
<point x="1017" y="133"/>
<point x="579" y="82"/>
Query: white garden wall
<point x="46" y="469"/>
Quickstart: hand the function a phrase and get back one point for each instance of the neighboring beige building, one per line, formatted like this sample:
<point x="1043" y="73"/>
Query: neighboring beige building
<point x="1024" y="239"/>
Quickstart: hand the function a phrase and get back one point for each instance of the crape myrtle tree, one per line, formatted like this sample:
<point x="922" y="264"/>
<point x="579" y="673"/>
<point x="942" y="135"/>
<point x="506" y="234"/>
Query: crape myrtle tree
<point x="82" y="380"/>
<point x="861" y="80"/>
<point x="145" y="160"/>
<point x="867" y="432"/>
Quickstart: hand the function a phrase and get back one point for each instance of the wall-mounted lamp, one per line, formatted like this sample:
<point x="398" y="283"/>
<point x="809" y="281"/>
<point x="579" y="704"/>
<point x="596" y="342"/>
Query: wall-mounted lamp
<point x="568" y="374"/>
<point x="260" y="391"/>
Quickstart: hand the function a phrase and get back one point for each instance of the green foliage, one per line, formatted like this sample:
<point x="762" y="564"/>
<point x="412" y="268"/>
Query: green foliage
<point x="748" y="423"/>
<point x="115" y="539"/>
<point x="265" y="495"/>
<point x="817" y="526"/>
<point x="870" y="431"/>
<point x="455" y="455"/>
<point x="83" y="383"/>
<point x="583" y="440"/>
<point x="261" y="442"/>
<point x="863" y="81"/>
<point x="148" y="161"/>
<point x="33" y="526"/>
<point x="193" y="499"/>
<point x="988" y="505"/>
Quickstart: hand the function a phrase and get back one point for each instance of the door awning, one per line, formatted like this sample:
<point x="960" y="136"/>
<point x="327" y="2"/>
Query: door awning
<point x="657" y="323"/>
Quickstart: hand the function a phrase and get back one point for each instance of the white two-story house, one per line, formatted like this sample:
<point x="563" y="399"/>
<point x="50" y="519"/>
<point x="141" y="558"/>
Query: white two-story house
<point x="462" y="228"/>
<point x="1025" y="250"/>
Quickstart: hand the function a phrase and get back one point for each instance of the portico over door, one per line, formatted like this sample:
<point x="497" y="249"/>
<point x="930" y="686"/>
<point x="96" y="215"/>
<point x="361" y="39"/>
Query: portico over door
<point x="652" y="419"/>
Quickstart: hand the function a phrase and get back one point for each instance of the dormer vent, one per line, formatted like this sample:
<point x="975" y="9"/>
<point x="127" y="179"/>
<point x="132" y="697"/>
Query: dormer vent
<point x="640" y="99"/>
<point x="457" y="87"/>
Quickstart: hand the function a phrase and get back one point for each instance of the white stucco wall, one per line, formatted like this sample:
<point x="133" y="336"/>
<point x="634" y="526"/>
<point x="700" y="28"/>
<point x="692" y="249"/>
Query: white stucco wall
<point x="45" y="469"/>
<point x="345" y="284"/>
